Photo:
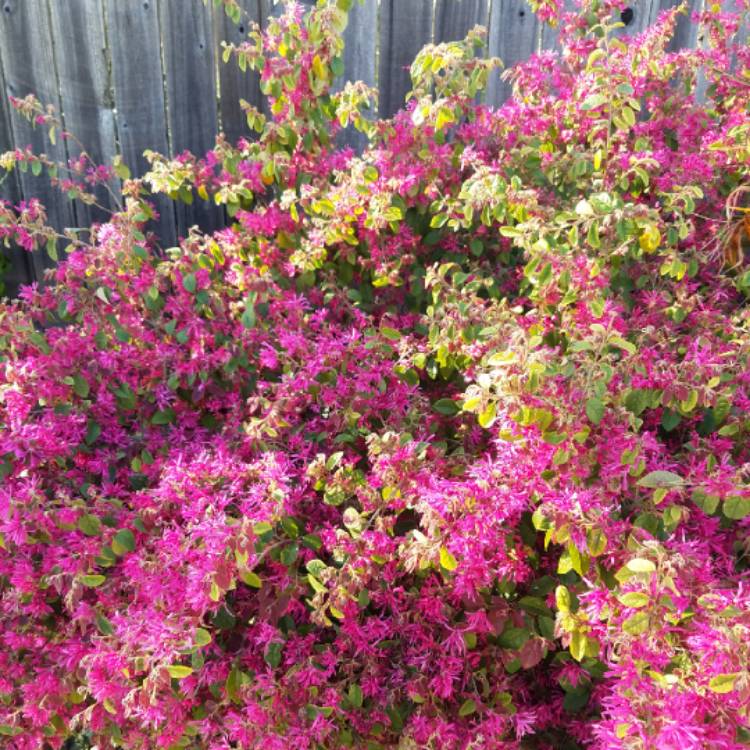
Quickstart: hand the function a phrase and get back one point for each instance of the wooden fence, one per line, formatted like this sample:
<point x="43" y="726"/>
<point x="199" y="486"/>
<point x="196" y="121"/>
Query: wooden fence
<point x="128" y="75"/>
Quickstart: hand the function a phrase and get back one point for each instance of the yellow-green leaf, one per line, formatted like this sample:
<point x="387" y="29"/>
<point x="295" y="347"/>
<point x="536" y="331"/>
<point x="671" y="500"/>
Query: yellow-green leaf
<point x="179" y="672"/>
<point x="447" y="561"/>
<point x="634" y="599"/>
<point x="251" y="579"/>
<point x="93" y="581"/>
<point x="640" y="565"/>
<point x="467" y="708"/>
<point x="723" y="683"/>
<point x="202" y="637"/>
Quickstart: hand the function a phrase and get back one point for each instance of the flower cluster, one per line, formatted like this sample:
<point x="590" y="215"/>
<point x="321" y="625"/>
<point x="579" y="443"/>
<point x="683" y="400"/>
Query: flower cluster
<point x="443" y="445"/>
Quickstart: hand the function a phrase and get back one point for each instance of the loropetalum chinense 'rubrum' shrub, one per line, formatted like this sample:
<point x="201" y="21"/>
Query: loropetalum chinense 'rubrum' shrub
<point x="440" y="446"/>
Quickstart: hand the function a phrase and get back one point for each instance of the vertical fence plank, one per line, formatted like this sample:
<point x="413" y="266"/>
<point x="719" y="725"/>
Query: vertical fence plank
<point x="359" y="59"/>
<point x="513" y="35"/>
<point x="233" y="83"/>
<point x="637" y="17"/>
<point x="549" y="38"/>
<point x="360" y="42"/>
<point x="80" y="55"/>
<point x="404" y="29"/>
<point x="21" y="270"/>
<point x="133" y="34"/>
<point x="28" y="62"/>
<point x="454" y="18"/>
<point x="686" y="31"/>
<point x="188" y="42"/>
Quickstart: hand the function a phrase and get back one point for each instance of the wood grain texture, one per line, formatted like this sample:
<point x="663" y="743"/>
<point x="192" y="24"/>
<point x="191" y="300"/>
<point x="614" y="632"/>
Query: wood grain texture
<point x="233" y="83"/>
<point x="644" y="13"/>
<point x="192" y="111"/>
<point x="146" y="74"/>
<point x="360" y="49"/>
<point x="454" y="18"/>
<point x="549" y="38"/>
<point x="512" y="38"/>
<point x="80" y="55"/>
<point x="26" y="48"/>
<point x="21" y="269"/>
<point x="686" y="31"/>
<point x="135" y="49"/>
<point x="405" y="27"/>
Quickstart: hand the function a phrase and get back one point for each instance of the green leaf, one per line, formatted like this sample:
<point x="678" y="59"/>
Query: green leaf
<point x="670" y="419"/>
<point x="251" y="579"/>
<point x="447" y="561"/>
<point x="248" y="317"/>
<point x="656" y="479"/>
<point x="233" y="683"/>
<point x="90" y="525"/>
<point x="92" y="581"/>
<point x="355" y="695"/>
<point x="577" y="646"/>
<point x="80" y="386"/>
<point x="178" y="672"/>
<point x="593" y="101"/>
<point x="104" y="625"/>
<point x="9" y="731"/>
<point x="640" y="565"/>
<point x="446" y="406"/>
<point x="736" y="507"/>
<point x="93" y="430"/>
<point x="487" y="418"/>
<point x="595" y="410"/>
<point x="707" y="503"/>
<point x="52" y="248"/>
<point x="289" y="554"/>
<point x="623" y="344"/>
<point x="723" y="683"/>
<point x="468" y="707"/>
<point x="273" y="654"/>
<point x="316" y="585"/>
<point x="390" y="333"/>
<point x="261" y="528"/>
<point x="121" y="170"/>
<point x="535" y="605"/>
<point x="202" y="637"/>
<point x="123" y="542"/>
<point x="636" y="624"/>
<point x="190" y="283"/>
<point x="513" y="638"/>
<point x="164" y="416"/>
<point x="634" y="599"/>
<point x="563" y="599"/>
<point x="637" y="401"/>
<point x="312" y="541"/>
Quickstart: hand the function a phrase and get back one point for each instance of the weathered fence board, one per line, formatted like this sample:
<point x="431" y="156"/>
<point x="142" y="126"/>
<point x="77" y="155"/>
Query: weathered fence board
<point x="135" y="47"/>
<point x="21" y="268"/>
<point x="686" y="32"/>
<point x="82" y="66"/>
<point x="405" y="27"/>
<point x="130" y="75"/>
<point x="360" y="51"/>
<point x="26" y="47"/>
<point x="454" y="18"/>
<point x="513" y="38"/>
<point x="189" y="69"/>
<point x="233" y="83"/>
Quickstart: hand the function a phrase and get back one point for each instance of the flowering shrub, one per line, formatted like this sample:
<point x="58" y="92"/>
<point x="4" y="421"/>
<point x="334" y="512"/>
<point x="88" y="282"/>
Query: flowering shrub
<point x="440" y="446"/>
